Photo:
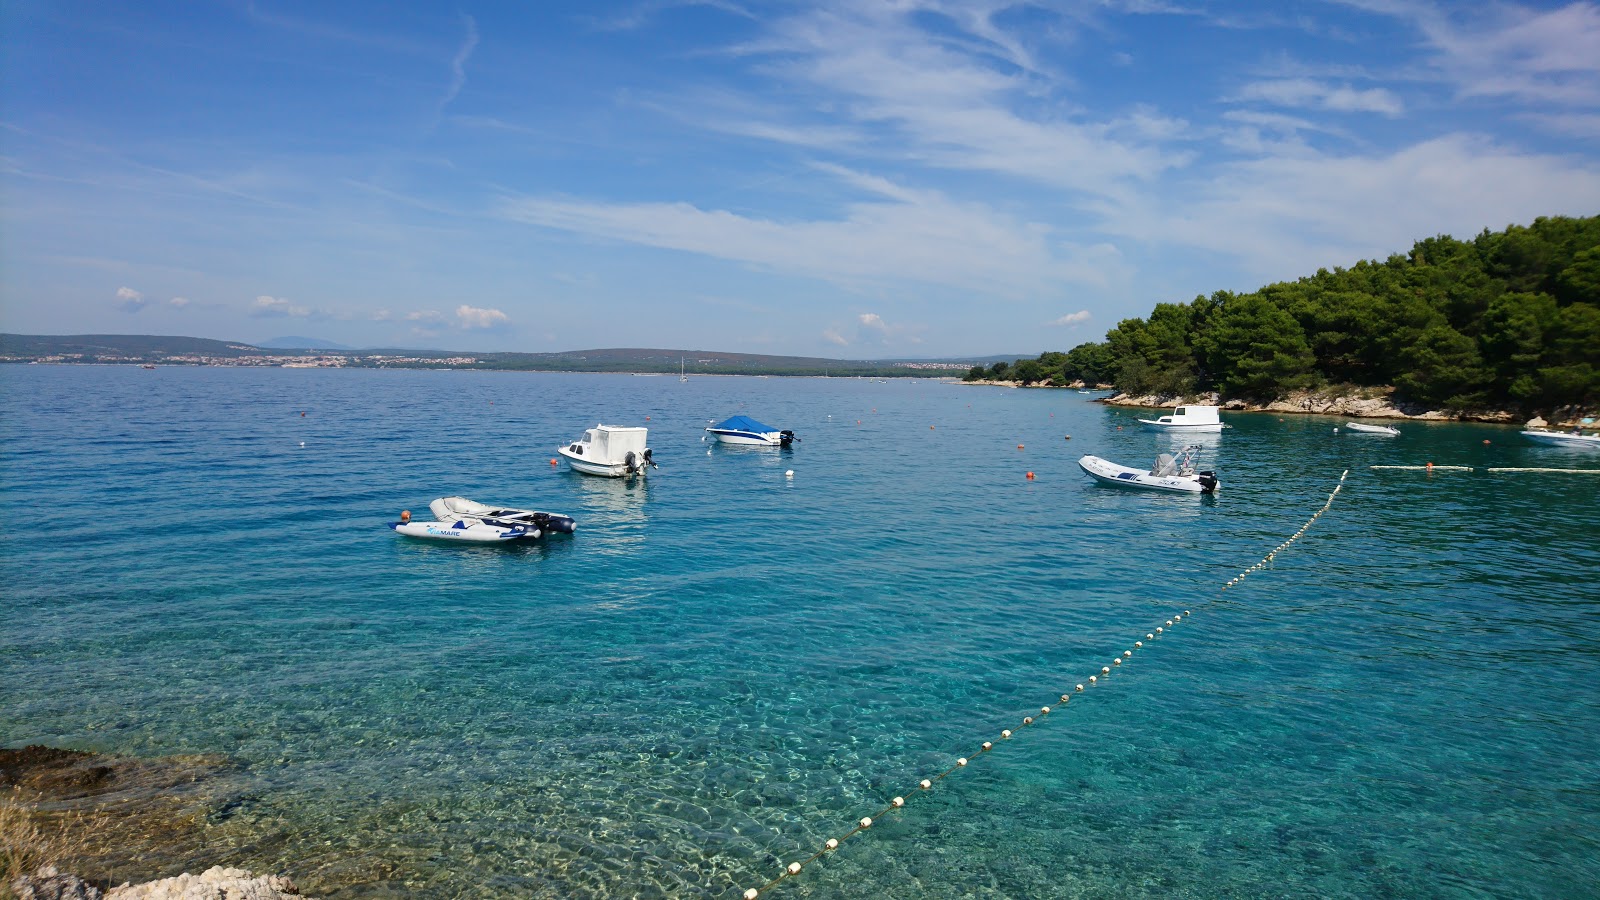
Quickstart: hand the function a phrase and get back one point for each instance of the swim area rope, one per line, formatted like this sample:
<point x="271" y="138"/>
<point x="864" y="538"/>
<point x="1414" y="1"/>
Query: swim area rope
<point x="927" y="784"/>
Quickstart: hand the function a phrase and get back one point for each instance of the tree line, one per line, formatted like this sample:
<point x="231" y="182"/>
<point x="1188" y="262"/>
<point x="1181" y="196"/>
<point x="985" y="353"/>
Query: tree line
<point x="1507" y="320"/>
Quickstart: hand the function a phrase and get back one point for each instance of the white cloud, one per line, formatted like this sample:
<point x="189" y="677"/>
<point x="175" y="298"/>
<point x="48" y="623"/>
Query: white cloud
<point x="1307" y="93"/>
<point x="275" y="307"/>
<point x="872" y="320"/>
<point x="1287" y="216"/>
<point x="130" y="300"/>
<point x="381" y="315"/>
<point x="179" y="302"/>
<point x="893" y="233"/>
<point x="1076" y="318"/>
<point x="426" y="317"/>
<point x="474" y="318"/>
<point x="1544" y="57"/>
<point x="833" y="336"/>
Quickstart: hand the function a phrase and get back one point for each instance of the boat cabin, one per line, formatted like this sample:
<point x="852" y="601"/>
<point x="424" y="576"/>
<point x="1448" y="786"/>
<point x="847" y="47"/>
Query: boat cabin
<point x="1192" y="415"/>
<point x="609" y="444"/>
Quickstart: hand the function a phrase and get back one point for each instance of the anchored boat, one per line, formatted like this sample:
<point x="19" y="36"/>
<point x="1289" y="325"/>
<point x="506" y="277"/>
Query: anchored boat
<point x="1188" y="419"/>
<point x="1363" y="428"/>
<point x="1168" y="474"/>
<point x="748" y="432"/>
<point x="1589" y="441"/>
<point x="613" y="451"/>
<point x="460" y="519"/>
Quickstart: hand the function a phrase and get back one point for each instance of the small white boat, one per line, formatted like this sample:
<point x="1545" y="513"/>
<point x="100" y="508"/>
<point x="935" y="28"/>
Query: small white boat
<point x="1168" y="474"/>
<point x="748" y="432"/>
<point x="459" y="519"/>
<point x="612" y="451"/>
<point x="1363" y="428"/>
<point x="1188" y="419"/>
<point x="1590" y="441"/>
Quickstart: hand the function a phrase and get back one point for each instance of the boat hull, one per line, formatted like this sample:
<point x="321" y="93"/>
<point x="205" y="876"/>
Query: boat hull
<point x="1359" y="428"/>
<point x="1107" y="472"/>
<point x="1557" y="439"/>
<point x="747" y="438"/>
<point x="1209" y="428"/>
<point x="588" y="467"/>
<point x="461" y="532"/>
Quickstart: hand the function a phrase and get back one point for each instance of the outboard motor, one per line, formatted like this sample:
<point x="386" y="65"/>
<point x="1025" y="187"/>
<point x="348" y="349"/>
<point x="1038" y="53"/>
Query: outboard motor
<point x="786" y="437"/>
<point x="1208" y="482"/>
<point x="630" y="463"/>
<point x="554" y="524"/>
<point x="647" y="460"/>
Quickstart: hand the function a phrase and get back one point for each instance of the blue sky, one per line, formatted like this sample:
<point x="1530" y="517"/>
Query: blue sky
<point x="847" y="179"/>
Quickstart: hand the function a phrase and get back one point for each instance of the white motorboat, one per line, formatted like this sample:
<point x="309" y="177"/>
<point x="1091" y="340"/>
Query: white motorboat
<point x="1168" y="474"/>
<point x="1590" y="441"/>
<point x="1363" y="428"/>
<point x="613" y="451"/>
<point x="460" y="519"/>
<point x="1188" y="419"/>
<point x="748" y="432"/>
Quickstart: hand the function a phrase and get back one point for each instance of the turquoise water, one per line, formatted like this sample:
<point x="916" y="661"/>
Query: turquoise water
<point x="724" y="666"/>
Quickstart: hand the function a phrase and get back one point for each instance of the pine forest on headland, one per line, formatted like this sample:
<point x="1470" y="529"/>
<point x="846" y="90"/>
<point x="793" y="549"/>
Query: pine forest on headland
<point x="1508" y="320"/>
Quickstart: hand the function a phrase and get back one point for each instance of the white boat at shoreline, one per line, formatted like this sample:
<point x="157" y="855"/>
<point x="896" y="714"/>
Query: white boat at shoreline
<point x="1590" y="441"/>
<point x="1188" y="420"/>
<point x="1168" y="474"/>
<point x="460" y="519"/>
<point x="1363" y="428"/>
<point x="611" y="451"/>
<point x="743" y="430"/>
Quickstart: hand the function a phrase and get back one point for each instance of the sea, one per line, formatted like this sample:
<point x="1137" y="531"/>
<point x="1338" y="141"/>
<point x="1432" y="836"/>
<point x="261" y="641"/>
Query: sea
<point x="748" y="651"/>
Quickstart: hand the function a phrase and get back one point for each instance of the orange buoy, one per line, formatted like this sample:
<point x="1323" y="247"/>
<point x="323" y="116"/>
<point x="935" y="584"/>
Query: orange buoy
<point x="1486" y="440"/>
<point x="647" y="418"/>
<point x="552" y="462"/>
<point x="1068" y="437"/>
<point x="405" y="516"/>
<point x="1030" y="476"/>
<point x="302" y="415"/>
<point x="1430" y="467"/>
<point x="1019" y="446"/>
<point x="930" y="427"/>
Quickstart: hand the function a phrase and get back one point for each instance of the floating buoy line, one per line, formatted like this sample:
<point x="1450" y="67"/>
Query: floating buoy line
<point x="1430" y="467"/>
<point x="927" y="784"/>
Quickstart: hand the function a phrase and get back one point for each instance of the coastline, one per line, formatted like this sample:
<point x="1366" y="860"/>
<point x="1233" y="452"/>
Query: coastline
<point x="1370" y="403"/>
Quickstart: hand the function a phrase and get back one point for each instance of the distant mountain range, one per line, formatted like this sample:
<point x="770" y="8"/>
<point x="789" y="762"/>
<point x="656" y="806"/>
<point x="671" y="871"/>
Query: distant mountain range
<point x="172" y="350"/>
<point x="301" y="343"/>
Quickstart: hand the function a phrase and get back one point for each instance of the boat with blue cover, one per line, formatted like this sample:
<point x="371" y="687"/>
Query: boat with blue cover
<point x="748" y="432"/>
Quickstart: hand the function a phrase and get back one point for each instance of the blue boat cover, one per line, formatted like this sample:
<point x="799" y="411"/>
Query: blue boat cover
<point x="743" y="423"/>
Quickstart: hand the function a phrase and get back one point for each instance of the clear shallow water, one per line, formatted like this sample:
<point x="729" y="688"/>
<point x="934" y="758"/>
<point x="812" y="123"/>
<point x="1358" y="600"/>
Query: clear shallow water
<point x="724" y="667"/>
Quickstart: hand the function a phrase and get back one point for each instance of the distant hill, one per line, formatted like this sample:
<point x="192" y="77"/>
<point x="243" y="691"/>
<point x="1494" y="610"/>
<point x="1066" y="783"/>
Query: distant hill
<point x="125" y="348"/>
<point x="117" y="345"/>
<point x="301" y="343"/>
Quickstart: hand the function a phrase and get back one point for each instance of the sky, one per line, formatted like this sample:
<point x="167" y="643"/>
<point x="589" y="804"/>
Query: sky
<point x="849" y="179"/>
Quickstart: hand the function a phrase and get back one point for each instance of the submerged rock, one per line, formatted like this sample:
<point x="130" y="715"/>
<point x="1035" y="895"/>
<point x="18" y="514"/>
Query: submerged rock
<point x="215" y="883"/>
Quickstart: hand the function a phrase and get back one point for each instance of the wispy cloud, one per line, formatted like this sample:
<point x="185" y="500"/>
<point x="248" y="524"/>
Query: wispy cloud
<point x="833" y="336"/>
<point x="1306" y="93"/>
<point x="890" y="233"/>
<point x="179" y="302"/>
<point x="268" y="307"/>
<point x="1288" y="215"/>
<point x="458" y="63"/>
<point x="1076" y="318"/>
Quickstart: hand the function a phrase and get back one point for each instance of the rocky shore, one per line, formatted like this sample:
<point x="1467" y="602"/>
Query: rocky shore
<point x="1371" y="403"/>
<point x="113" y="820"/>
